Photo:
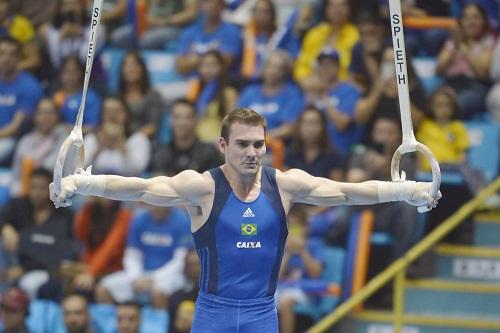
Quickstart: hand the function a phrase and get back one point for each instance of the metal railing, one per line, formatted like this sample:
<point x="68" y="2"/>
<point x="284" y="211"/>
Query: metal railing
<point x="397" y="269"/>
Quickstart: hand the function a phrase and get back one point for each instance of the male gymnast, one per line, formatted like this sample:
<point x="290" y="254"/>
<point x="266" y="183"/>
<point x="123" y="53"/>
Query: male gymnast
<point x="238" y="219"/>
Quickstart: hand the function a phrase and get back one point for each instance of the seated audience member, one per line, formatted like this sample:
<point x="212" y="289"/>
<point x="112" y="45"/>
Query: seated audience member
<point x="261" y="36"/>
<point x="39" y="234"/>
<point x="20" y="28"/>
<point x="382" y="99"/>
<point x="76" y="314"/>
<point x="448" y="139"/>
<point x="493" y="98"/>
<point x="38" y="148"/>
<point x="339" y="103"/>
<point x="276" y="98"/>
<point x="366" y="55"/>
<point x="465" y="59"/>
<point x="212" y="95"/>
<point x="374" y="162"/>
<point x="113" y="148"/>
<point x="184" y="317"/>
<point x="189" y="291"/>
<point x="144" y="103"/>
<point x="19" y="95"/>
<point x="336" y="31"/>
<point x="128" y="317"/>
<point x="211" y="32"/>
<point x="69" y="96"/>
<point x="101" y="226"/>
<point x="68" y="35"/>
<point x="302" y="260"/>
<point x="153" y="261"/>
<point x="165" y="20"/>
<point x="14" y="305"/>
<point x="185" y="151"/>
<point x="445" y="135"/>
<point x="311" y="150"/>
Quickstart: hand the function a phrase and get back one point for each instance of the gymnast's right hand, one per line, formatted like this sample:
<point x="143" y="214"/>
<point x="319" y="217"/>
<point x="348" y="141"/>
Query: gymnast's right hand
<point x="68" y="189"/>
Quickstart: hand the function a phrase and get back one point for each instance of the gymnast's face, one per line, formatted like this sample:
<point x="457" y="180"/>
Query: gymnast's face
<point x="245" y="148"/>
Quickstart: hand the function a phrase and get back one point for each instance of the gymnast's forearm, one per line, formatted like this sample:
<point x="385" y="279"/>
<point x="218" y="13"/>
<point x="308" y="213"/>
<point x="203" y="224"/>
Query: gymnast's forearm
<point x="111" y="186"/>
<point x="330" y="193"/>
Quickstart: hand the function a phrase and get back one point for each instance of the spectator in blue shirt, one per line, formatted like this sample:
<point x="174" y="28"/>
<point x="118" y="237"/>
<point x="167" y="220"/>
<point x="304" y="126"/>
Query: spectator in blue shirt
<point x="69" y="96"/>
<point x="209" y="33"/>
<point x="19" y="95"/>
<point x="261" y="36"/>
<point x="339" y="103"/>
<point x="276" y="98"/>
<point x="154" y="258"/>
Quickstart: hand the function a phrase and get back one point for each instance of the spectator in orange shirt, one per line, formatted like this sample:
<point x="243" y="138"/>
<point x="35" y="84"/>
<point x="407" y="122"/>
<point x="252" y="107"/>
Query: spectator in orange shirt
<point x="102" y="227"/>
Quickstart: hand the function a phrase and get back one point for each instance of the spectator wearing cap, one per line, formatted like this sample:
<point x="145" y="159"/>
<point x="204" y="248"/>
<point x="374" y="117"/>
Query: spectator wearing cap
<point x="339" y="102"/>
<point x="276" y="98"/>
<point x="14" y="310"/>
<point x="335" y="31"/>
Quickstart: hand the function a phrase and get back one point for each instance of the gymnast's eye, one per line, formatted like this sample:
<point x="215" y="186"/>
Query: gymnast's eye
<point x="258" y="144"/>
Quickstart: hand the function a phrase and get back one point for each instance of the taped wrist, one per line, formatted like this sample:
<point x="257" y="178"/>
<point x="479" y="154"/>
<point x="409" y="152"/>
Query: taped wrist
<point x="90" y="184"/>
<point x="396" y="191"/>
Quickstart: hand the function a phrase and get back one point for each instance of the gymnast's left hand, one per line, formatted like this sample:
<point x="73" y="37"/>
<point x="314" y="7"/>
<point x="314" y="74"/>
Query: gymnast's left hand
<point x="421" y="196"/>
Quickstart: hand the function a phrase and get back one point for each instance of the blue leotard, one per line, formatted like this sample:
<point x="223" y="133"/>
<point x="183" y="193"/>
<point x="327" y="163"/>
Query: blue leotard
<point x="240" y="246"/>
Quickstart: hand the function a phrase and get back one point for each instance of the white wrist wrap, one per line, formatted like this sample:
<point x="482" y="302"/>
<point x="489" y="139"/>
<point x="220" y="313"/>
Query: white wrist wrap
<point x="90" y="184"/>
<point x="396" y="191"/>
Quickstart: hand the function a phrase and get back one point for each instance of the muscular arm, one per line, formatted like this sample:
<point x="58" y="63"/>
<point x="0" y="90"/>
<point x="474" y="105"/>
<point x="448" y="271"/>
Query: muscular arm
<point x="299" y="187"/>
<point x="183" y="189"/>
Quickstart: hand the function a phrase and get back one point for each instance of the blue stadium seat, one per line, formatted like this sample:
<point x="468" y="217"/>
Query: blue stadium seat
<point x="103" y="317"/>
<point x="5" y="177"/>
<point x="425" y="68"/>
<point x="45" y="316"/>
<point x="484" y="151"/>
<point x="335" y="260"/>
<point x="154" y="321"/>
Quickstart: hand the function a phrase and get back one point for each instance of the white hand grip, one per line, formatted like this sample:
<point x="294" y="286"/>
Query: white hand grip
<point x="436" y="172"/>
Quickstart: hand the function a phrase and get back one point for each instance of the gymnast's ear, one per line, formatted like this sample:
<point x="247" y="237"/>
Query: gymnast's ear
<point x="222" y="144"/>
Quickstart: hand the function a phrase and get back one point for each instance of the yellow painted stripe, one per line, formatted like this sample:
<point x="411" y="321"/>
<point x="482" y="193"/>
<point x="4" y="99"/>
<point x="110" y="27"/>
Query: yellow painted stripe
<point x="468" y="251"/>
<point x="487" y="218"/>
<point x="450" y="285"/>
<point x="425" y="320"/>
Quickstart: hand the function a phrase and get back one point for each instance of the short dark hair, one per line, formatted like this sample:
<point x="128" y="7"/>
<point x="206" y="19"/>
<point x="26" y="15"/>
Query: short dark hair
<point x="41" y="172"/>
<point x="244" y="116"/>
<point x="131" y="304"/>
<point x="184" y="101"/>
<point x="369" y="17"/>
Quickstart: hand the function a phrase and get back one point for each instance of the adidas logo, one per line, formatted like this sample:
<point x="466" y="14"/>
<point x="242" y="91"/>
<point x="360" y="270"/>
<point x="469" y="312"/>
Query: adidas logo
<point x="248" y="213"/>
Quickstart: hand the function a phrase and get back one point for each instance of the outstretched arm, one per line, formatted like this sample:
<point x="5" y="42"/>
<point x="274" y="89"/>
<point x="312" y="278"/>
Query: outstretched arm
<point x="299" y="186"/>
<point x="183" y="189"/>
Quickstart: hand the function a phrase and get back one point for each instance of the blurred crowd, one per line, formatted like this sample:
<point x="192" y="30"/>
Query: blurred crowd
<point x="320" y="71"/>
